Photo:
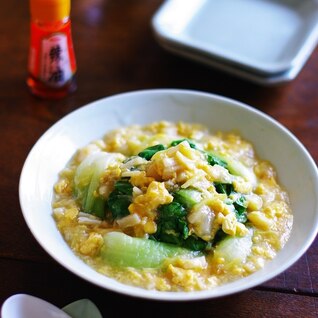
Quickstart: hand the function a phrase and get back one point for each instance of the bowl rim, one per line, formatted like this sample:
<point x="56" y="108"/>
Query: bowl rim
<point x="175" y="296"/>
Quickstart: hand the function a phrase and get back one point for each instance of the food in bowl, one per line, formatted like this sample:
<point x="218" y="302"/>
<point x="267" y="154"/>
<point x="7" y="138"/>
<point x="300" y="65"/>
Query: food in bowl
<point x="171" y="207"/>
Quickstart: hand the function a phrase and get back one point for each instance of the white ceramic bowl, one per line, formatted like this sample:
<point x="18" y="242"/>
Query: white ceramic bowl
<point x="297" y="172"/>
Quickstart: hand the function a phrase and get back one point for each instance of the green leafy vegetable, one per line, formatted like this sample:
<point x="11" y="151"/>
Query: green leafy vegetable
<point x="234" y="249"/>
<point x="195" y="243"/>
<point x="239" y="204"/>
<point x="173" y="209"/>
<point x="150" y="151"/>
<point x="87" y="180"/>
<point x="122" y="250"/>
<point x="215" y="160"/>
<point x="219" y="236"/>
<point x="120" y="199"/>
<point x="240" y="209"/>
<point x="235" y="167"/>
<point x="226" y="188"/>
<point x="177" y="142"/>
<point x="172" y="227"/>
<point x="187" y="197"/>
<point x="123" y="186"/>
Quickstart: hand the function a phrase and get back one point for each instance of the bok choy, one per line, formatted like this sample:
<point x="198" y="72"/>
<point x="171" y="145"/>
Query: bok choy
<point x="87" y="181"/>
<point x="123" y="250"/>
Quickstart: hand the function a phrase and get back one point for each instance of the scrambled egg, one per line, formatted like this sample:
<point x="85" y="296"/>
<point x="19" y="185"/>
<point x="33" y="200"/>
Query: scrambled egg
<point x="240" y="200"/>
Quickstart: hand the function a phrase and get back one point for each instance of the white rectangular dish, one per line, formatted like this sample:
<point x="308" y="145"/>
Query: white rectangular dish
<point x="263" y="37"/>
<point x="267" y="80"/>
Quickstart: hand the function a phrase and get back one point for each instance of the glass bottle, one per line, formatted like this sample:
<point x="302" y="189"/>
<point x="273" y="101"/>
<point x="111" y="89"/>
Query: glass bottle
<point x="52" y="63"/>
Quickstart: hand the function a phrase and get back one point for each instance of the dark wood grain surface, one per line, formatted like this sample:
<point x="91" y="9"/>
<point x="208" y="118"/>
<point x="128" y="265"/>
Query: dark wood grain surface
<point x="116" y="52"/>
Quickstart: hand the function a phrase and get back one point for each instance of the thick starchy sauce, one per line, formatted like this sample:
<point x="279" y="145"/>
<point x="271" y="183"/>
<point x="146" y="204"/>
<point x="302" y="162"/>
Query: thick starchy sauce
<point x="239" y="215"/>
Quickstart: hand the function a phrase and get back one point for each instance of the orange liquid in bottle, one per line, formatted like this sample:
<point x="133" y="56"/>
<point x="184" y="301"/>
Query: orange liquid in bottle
<point x="52" y="63"/>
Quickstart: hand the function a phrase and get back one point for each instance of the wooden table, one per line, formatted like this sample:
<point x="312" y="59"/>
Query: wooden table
<point x="116" y="52"/>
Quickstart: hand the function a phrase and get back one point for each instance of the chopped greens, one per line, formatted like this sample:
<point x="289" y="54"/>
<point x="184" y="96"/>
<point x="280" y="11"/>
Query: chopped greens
<point x="239" y="203"/>
<point x="177" y="142"/>
<point x="172" y="227"/>
<point x="195" y="243"/>
<point x="219" y="236"/>
<point x="226" y="188"/>
<point x="150" y="151"/>
<point x="187" y="197"/>
<point x="235" y="167"/>
<point x="87" y="180"/>
<point x="215" y="160"/>
<point x="120" y="199"/>
<point x="123" y="186"/>
<point x="173" y="209"/>
<point x="234" y="249"/>
<point x="240" y="209"/>
<point x="126" y="251"/>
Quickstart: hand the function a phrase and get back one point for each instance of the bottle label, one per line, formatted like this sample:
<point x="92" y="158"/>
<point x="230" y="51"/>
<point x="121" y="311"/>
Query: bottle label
<point x="51" y="58"/>
<point x="55" y="67"/>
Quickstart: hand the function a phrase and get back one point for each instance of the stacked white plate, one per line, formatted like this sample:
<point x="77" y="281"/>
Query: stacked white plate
<point x="265" y="41"/>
